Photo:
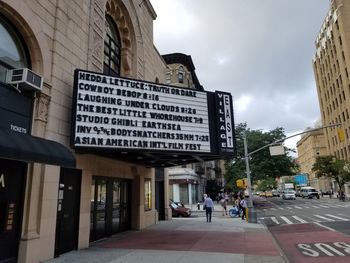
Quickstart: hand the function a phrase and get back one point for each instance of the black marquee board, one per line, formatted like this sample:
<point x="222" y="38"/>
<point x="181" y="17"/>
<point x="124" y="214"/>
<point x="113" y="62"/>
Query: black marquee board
<point x="129" y="115"/>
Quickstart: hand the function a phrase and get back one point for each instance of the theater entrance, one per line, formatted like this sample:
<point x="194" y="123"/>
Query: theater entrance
<point x="110" y="206"/>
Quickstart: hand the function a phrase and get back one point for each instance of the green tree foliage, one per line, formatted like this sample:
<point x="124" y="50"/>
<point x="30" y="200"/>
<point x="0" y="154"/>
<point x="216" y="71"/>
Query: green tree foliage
<point x="330" y="167"/>
<point x="267" y="184"/>
<point x="262" y="165"/>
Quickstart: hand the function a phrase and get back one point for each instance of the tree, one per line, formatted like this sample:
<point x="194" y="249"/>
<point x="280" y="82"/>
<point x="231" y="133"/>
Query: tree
<point x="267" y="184"/>
<point x="330" y="167"/>
<point x="262" y="165"/>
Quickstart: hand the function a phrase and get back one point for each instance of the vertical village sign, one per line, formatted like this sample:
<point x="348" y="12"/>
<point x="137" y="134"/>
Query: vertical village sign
<point x="119" y="115"/>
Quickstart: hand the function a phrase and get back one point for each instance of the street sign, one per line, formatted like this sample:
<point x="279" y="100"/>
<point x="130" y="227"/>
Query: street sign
<point x="276" y="150"/>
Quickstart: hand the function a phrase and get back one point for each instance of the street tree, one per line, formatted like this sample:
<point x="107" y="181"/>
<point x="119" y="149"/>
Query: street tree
<point x="262" y="165"/>
<point x="330" y="167"/>
<point x="267" y="184"/>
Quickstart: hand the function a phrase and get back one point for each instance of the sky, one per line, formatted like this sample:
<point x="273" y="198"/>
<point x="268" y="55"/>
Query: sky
<point x="260" y="51"/>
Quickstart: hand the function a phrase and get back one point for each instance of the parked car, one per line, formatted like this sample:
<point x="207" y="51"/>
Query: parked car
<point x="309" y="192"/>
<point x="288" y="194"/>
<point x="179" y="210"/>
<point x="275" y="193"/>
<point x="268" y="194"/>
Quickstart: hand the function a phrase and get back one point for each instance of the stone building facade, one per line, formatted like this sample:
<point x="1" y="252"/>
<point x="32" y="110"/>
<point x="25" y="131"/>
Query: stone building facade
<point x="331" y="65"/>
<point x="61" y="205"/>
<point x="309" y="147"/>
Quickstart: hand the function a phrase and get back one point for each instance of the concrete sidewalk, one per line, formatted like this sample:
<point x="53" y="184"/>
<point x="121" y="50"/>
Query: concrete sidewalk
<point x="184" y="240"/>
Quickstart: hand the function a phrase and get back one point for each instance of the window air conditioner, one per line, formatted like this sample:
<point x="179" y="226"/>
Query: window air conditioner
<point x="25" y="78"/>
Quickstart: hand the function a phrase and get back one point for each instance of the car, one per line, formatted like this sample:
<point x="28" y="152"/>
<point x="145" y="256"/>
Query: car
<point x="268" y="194"/>
<point x="309" y="192"/>
<point x="275" y="193"/>
<point x="288" y="194"/>
<point x="179" y="210"/>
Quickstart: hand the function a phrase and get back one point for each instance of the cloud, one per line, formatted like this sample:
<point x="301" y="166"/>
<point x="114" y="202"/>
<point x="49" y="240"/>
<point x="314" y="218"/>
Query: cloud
<point x="259" y="51"/>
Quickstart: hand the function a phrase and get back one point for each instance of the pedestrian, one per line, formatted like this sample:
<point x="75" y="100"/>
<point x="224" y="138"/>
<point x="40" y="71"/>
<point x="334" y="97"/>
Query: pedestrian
<point x="243" y="204"/>
<point x="208" y="206"/>
<point x="224" y="206"/>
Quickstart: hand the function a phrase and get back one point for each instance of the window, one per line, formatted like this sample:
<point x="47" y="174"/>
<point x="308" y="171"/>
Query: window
<point x="180" y="75"/>
<point x="148" y="195"/>
<point x="111" y="61"/>
<point x="12" y="52"/>
<point x="168" y="78"/>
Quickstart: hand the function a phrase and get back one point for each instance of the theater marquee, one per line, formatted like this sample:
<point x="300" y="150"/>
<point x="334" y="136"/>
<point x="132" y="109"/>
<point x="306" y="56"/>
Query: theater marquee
<point x="119" y="113"/>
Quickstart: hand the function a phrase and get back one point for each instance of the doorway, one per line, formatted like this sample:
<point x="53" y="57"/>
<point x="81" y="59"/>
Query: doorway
<point x="12" y="183"/>
<point x="110" y="207"/>
<point x="68" y="211"/>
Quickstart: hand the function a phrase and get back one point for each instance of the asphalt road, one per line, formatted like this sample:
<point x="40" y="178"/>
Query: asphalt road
<point x="328" y="212"/>
<point x="308" y="230"/>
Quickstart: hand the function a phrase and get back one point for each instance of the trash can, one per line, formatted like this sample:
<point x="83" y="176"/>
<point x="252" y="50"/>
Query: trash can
<point x="252" y="215"/>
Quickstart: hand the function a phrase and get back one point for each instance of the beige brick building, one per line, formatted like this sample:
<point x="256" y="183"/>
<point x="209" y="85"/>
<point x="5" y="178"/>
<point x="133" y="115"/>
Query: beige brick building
<point x="309" y="147"/>
<point x="331" y="67"/>
<point x="54" y="38"/>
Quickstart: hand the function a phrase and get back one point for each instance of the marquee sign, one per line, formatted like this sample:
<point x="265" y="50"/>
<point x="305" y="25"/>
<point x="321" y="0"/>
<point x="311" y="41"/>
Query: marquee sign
<point x="129" y="114"/>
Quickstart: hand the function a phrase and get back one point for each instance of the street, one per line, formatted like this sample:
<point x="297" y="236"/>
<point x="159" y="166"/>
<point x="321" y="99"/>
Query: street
<point x="323" y="211"/>
<point x="308" y="230"/>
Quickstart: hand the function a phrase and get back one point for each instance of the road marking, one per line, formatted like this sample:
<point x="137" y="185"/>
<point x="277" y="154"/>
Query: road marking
<point x="299" y="219"/>
<point x="337" y="217"/>
<point x="325" y="206"/>
<point x="287" y="220"/>
<point x="275" y="220"/>
<point x="281" y="208"/>
<point x="326" y="227"/>
<point x="298" y="207"/>
<point x="289" y="207"/>
<point x="273" y="208"/>
<point x="315" y="206"/>
<point x="325" y="218"/>
<point x="306" y="207"/>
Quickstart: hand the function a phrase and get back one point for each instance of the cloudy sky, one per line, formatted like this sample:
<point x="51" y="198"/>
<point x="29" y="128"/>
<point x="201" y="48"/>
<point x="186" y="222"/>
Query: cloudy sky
<point x="258" y="50"/>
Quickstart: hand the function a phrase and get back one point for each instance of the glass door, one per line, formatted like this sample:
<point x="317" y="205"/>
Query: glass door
<point x="115" y="207"/>
<point x="110" y="207"/>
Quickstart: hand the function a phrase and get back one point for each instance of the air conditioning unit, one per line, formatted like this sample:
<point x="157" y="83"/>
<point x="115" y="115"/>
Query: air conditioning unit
<point x="24" y="78"/>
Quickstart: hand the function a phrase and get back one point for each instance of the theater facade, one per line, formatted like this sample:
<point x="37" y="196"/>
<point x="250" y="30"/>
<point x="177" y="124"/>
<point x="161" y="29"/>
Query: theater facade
<point x="89" y="124"/>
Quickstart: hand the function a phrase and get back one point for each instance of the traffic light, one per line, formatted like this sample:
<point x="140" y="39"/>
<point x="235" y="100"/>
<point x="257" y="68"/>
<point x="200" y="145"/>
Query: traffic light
<point x="241" y="183"/>
<point x="341" y="135"/>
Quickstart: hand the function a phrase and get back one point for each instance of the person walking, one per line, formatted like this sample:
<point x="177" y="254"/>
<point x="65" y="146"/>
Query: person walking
<point x="209" y="207"/>
<point x="224" y="206"/>
<point x="243" y="204"/>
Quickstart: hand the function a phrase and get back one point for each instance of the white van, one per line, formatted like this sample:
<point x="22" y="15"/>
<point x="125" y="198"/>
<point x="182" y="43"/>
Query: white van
<point x="309" y="192"/>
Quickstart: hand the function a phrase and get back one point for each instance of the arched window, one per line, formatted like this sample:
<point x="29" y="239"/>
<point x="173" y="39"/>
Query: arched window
<point x="111" y="63"/>
<point x="180" y="74"/>
<point x="12" y="53"/>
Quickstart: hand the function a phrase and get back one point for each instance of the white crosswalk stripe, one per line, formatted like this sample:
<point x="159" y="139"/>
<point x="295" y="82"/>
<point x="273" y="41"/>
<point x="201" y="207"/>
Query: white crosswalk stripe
<point x="292" y="219"/>
<point x="275" y="220"/>
<point x="299" y="219"/>
<point x="324" y="218"/>
<point x="338" y="217"/>
<point x="286" y="220"/>
<point x="298" y="207"/>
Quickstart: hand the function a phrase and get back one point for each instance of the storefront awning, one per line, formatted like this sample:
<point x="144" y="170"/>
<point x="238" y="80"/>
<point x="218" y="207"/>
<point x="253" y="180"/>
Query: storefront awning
<point x="24" y="147"/>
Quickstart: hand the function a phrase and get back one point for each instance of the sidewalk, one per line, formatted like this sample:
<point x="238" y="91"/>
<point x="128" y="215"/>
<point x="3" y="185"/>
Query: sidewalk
<point x="184" y="240"/>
